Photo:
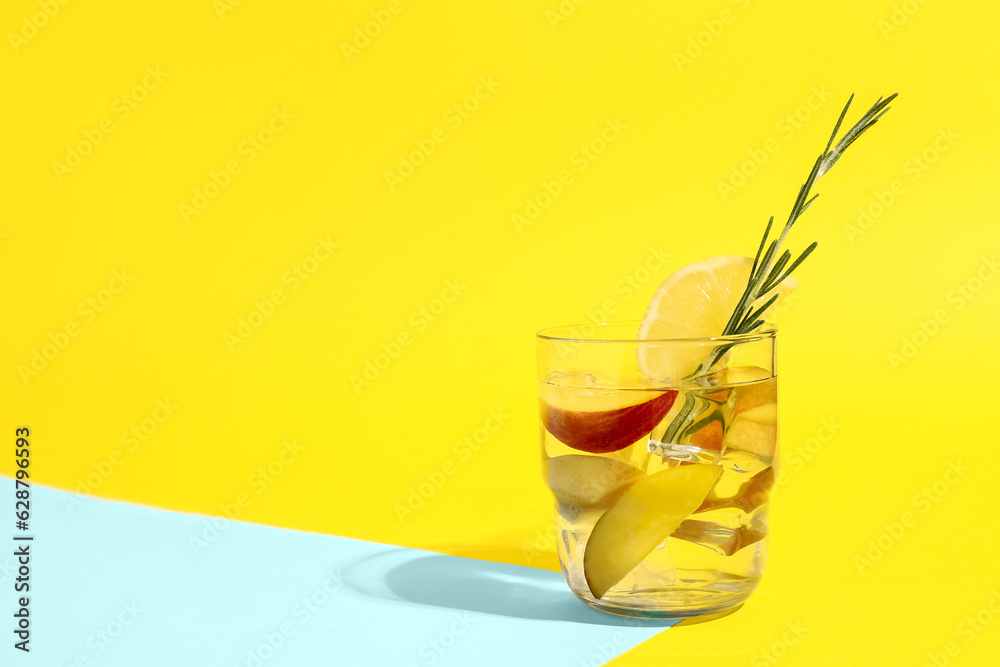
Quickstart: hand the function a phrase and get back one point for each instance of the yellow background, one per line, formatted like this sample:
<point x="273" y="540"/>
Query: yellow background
<point x="683" y="127"/>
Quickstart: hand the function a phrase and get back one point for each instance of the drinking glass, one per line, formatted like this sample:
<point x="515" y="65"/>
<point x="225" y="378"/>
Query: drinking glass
<point x="661" y="455"/>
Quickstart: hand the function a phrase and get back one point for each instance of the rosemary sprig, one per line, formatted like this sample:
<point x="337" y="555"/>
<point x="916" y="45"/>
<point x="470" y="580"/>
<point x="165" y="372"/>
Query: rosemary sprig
<point x="767" y="272"/>
<point x="769" y="268"/>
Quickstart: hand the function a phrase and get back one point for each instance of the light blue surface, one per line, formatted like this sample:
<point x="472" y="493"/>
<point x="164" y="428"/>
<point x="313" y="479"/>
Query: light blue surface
<point x="256" y="596"/>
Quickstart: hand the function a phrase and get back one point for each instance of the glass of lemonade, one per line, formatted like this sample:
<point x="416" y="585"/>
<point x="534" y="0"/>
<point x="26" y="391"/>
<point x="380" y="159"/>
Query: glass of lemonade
<point x="661" y="455"/>
<point x="660" y="437"/>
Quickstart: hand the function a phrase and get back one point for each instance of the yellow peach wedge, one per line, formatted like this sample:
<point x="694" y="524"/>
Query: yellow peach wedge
<point x="649" y="510"/>
<point x="755" y="431"/>
<point x="588" y="482"/>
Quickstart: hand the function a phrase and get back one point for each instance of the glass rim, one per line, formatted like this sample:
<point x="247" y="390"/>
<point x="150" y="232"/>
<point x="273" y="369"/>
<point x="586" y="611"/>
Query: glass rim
<point x="550" y="334"/>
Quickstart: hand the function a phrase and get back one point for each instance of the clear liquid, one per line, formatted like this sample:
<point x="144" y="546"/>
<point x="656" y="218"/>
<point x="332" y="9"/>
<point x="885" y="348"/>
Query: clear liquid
<point x="714" y="560"/>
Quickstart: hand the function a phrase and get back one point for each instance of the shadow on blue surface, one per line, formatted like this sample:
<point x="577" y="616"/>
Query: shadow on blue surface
<point x="323" y="599"/>
<point x="467" y="584"/>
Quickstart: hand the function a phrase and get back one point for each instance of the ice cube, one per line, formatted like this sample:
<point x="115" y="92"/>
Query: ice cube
<point x="683" y="453"/>
<point x="751" y="494"/>
<point x="699" y="437"/>
<point x="718" y="537"/>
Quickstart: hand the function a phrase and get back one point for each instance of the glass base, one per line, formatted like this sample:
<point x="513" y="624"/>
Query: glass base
<point x="690" y="619"/>
<point x="669" y="603"/>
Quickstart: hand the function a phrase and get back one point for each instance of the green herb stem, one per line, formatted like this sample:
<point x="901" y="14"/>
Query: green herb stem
<point x="769" y="268"/>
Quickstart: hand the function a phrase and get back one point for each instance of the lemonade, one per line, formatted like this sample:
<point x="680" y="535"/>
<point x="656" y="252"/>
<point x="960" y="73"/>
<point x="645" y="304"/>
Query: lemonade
<point x="696" y="553"/>
<point x="660" y="437"/>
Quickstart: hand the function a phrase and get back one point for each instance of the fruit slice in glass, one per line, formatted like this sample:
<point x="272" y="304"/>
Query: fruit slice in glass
<point x="600" y="420"/>
<point x="647" y="512"/>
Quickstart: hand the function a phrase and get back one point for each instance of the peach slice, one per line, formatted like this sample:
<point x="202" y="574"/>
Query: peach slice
<point x="599" y="431"/>
<point x="708" y="437"/>
<point x="752" y="395"/>
<point x="755" y="431"/>
<point x="650" y="510"/>
<point x="582" y="483"/>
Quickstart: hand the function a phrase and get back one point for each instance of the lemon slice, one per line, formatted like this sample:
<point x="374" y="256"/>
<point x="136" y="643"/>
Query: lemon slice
<point x="695" y="301"/>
